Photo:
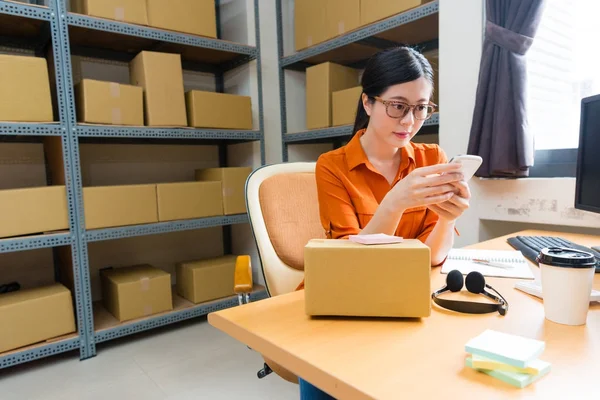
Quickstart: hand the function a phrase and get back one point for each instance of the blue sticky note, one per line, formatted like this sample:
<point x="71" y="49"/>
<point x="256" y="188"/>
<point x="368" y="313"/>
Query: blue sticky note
<point x="510" y="349"/>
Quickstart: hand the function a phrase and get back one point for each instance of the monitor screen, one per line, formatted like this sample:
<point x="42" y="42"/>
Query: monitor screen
<point x="587" y="195"/>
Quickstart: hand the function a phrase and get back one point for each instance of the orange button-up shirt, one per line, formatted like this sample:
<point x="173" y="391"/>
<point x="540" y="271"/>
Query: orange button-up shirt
<point x="350" y="189"/>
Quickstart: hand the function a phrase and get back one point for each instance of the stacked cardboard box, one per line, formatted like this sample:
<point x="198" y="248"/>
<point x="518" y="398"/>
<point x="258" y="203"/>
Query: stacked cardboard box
<point x="196" y="17"/>
<point x="135" y="292"/>
<point x="24" y="89"/>
<point x="316" y="21"/>
<point x="344" y="105"/>
<point x="34" y="315"/>
<point x="218" y="110"/>
<point x="205" y="280"/>
<point x="321" y="81"/>
<point x="109" y="103"/>
<point x="186" y="200"/>
<point x="33" y="210"/>
<point x="233" y="183"/>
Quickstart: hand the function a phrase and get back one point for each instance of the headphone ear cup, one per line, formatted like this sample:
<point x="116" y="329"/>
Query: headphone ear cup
<point x="454" y="281"/>
<point x="475" y="282"/>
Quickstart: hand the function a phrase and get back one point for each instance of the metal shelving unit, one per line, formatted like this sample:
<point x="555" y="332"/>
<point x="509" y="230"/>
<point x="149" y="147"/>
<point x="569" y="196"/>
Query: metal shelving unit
<point x="418" y="26"/>
<point x="34" y="27"/>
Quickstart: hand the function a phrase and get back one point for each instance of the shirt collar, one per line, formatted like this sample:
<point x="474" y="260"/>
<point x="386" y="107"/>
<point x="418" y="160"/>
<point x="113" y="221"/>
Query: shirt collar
<point x="355" y="154"/>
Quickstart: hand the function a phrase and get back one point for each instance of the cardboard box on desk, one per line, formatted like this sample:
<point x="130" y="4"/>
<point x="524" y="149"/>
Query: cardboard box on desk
<point x="133" y="11"/>
<point x="344" y="105"/>
<point x="375" y="10"/>
<point x="24" y="89"/>
<point x="110" y="206"/>
<point x="136" y="291"/>
<point x="185" y="200"/>
<point x="197" y="17"/>
<point x="321" y="81"/>
<point x="33" y="210"/>
<point x="205" y="280"/>
<point x="109" y="103"/>
<point x="233" y="181"/>
<point x="218" y="110"/>
<point x="343" y="278"/>
<point x="34" y="315"/>
<point x="161" y="76"/>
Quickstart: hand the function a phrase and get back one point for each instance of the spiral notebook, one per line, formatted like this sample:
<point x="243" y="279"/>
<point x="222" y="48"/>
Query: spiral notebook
<point x="516" y="266"/>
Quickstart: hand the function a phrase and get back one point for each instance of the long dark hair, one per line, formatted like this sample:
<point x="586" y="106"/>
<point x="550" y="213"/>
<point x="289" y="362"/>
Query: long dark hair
<point x="387" y="68"/>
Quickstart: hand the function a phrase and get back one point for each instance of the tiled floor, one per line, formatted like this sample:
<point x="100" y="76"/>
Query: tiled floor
<point x="185" y="361"/>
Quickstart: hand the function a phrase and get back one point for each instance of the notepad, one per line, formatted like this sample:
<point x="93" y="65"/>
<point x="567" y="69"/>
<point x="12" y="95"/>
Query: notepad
<point x="534" y="367"/>
<point x="375" y="238"/>
<point x="462" y="260"/>
<point x="514" y="350"/>
<point x="513" y="378"/>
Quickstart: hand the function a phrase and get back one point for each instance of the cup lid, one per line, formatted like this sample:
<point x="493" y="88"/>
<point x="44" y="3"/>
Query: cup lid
<point x="566" y="257"/>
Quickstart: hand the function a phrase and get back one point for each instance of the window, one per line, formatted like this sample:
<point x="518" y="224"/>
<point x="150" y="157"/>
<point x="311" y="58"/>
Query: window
<point x="563" y="66"/>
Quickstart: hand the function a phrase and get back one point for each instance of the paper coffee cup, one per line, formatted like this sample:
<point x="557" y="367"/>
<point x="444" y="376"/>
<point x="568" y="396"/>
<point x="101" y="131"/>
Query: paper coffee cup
<point x="567" y="279"/>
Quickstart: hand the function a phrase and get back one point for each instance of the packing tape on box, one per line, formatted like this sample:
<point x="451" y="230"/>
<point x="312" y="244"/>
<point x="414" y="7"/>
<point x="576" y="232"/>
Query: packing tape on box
<point x="116" y="117"/>
<point x="115" y="89"/>
<point x="147" y="309"/>
<point x="228" y="192"/>
<point x="309" y="41"/>
<point x="341" y="27"/>
<point x="120" y="13"/>
<point x="145" y="284"/>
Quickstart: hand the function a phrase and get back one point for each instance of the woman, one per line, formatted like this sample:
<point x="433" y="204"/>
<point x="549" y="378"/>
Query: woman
<point x="381" y="182"/>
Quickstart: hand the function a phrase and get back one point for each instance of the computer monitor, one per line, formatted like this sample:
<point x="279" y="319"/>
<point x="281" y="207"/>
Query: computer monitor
<point x="587" y="192"/>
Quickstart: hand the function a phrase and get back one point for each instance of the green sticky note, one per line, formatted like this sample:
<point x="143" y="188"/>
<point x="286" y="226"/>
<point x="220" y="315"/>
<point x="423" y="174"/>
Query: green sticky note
<point x="512" y="378"/>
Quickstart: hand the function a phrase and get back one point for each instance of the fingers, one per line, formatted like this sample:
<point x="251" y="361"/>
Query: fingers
<point x="435" y="190"/>
<point x="441" y="179"/>
<point x="441" y="212"/>
<point x="459" y="202"/>
<point x="438" y="169"/>
<point x="463" y="189"/>
<point x="438" y="198"/>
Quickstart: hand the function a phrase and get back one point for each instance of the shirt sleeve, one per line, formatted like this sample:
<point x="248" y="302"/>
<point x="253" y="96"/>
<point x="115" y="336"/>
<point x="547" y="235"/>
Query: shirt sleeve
<point x="431" y="218"/>
<point x="338" y="215"/>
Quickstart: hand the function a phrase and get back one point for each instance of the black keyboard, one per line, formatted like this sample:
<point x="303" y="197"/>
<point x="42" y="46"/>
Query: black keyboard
<point x="531" y="246"/>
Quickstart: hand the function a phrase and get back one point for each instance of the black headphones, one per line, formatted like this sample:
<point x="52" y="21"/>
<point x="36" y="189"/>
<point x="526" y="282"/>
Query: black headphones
<point x="475" y="283"/>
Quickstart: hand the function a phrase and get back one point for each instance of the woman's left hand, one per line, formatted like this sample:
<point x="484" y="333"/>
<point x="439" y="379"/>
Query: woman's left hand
<point x="451" y="209"/>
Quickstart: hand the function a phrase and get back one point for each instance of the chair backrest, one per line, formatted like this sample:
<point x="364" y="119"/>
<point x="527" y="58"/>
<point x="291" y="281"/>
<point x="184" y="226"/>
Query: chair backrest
<point x="284" y="215"/>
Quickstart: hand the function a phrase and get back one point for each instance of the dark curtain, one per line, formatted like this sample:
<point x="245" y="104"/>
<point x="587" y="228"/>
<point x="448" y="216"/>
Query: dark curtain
<point x="499" y="131"/>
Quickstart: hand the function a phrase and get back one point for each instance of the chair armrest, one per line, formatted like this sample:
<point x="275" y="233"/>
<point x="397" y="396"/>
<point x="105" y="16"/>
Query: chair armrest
<point x="243" y="275"/>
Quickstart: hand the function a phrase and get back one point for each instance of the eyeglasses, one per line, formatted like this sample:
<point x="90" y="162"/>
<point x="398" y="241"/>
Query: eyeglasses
<point x="399" y="109"/>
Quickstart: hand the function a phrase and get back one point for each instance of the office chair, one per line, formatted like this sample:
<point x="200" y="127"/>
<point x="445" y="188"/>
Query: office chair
<point x="283" y="210"/>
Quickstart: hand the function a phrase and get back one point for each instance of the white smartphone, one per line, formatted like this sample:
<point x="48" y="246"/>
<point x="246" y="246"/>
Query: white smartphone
<point x="469" y="163"/>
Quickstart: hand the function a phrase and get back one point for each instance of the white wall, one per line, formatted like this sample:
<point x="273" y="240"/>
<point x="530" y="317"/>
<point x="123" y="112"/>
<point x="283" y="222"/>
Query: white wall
<point x="499" y="206"/>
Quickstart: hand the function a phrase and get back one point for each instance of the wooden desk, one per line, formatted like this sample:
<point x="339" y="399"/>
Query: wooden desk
<point x="420" y="359"/>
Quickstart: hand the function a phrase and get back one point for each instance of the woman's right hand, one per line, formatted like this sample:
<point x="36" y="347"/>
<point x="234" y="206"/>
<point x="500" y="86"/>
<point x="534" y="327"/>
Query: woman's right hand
<point x="424" y="186"/>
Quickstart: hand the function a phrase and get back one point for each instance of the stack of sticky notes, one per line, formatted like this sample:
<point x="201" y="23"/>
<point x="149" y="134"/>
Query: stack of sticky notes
<point x="510" y="358"/>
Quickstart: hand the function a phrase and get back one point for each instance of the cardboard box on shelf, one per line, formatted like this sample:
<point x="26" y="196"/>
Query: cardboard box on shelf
<point x="321" y="81"/>
<point x="135" y="292"/>
<point x="111" y="206"/>
<point x="343" y="278"/>
<point x="197" y="17"/>
<point x="205" y="280"/>
<point x="218" y="110"/>
<point x="161" y="76"/>
<point x="186" y="200"/>
<point x="433" y="57"/>
<point x="24" y="89"/>
<point x="30" y="316"/>
<point x="344" y="105"/>
<point x="310" y="25"/>
<point x="342" y="16"/>
<point x="375" y="10"/>
<point x="233" y="181"/>
<point x="33" y="210"/>
<point x="133" y="11"/>
<point x="101" y="102"/>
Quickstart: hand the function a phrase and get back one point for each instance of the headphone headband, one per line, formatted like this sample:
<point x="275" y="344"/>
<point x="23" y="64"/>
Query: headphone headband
<point x="454" y="282"/>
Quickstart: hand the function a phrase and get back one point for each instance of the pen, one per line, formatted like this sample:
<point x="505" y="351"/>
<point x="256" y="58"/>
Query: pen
<point x="492" y="264"/>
